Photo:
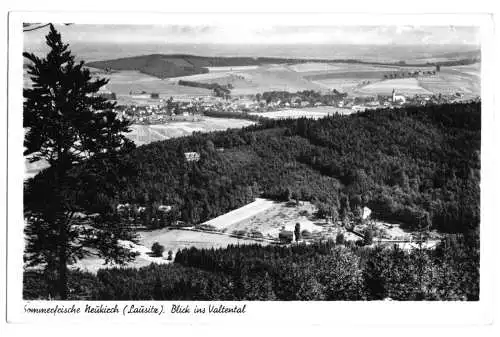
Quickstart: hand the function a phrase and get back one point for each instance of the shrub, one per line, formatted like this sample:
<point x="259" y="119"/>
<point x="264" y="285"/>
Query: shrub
<point x="306" y="234"/>
<point x="240" y="232"/>
<point x="340" y="239"/>
<point x="368" y="237"/>
<point x="170" y="253"/>
<point x="157" y="249"/>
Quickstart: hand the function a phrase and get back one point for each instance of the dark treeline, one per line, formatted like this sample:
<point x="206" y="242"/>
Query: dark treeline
<point x="219" y="90"/>
<point x="321" y="271"/>
<point x="310" y="96"/>
<point x="414" y="165"/>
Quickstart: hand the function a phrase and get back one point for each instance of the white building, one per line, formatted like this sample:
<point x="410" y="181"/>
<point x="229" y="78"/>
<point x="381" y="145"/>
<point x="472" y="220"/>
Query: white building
<point x="397" y="98"/>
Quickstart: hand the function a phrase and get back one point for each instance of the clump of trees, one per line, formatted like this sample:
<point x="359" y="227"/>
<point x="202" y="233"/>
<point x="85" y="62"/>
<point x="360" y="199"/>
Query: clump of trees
<point x="310" y="96"/>
<point x="218" y="89"/>
<point x="157" y="249"/>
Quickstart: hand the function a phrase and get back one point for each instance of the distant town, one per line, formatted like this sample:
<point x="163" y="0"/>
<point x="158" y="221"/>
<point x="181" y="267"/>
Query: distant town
<point x="248" y="106"/>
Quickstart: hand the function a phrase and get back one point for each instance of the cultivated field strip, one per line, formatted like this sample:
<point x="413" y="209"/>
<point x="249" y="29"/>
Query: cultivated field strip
<point x="242" y="213"/>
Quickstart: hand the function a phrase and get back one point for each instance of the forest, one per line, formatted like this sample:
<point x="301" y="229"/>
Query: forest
<point x="321" y="271"/>
<point x="418" y="166"/>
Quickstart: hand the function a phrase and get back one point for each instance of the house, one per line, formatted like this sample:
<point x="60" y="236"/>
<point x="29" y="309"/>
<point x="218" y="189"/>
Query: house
<point x="123" y="207"/>
<point x="164" y="208"/>
<point x="285" y="236"/>
<point x="192" y="156"/>
<point x="366" y="213"/>
<point x="357" y="108"/>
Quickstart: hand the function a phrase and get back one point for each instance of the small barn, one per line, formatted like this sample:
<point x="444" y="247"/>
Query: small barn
<point x="285" y="236"/>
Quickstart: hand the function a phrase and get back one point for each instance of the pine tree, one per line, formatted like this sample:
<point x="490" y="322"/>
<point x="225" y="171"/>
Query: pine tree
<point x="77" y="133"/>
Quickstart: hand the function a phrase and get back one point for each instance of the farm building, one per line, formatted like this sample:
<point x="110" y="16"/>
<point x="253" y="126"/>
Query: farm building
<point x="366" y="213"/>
<point x="285" y="236"/>
<point x="164" y="208"/>
<point x="192" y="156"/>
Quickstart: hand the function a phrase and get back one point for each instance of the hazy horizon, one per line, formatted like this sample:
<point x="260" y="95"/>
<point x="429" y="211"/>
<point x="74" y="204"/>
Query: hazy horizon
<point x="103" y="51"/>
<point x="99" y="42"/>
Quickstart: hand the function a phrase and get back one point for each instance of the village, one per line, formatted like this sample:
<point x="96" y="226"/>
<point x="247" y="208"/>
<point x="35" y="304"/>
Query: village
<point x="181" y="108"/>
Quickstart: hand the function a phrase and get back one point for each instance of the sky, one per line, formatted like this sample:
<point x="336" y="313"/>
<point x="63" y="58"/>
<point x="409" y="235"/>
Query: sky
<point x="262" y="34"/>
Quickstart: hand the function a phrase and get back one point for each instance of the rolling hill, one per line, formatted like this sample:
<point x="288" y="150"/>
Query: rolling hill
<point x="176" y="65"/>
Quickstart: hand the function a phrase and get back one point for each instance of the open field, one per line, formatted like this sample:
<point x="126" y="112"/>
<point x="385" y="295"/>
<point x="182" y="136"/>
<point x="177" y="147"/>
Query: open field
<point x="173" y="240"/>
<point x="315" y="66"/>
<point x="315" y="113"/>
<point x="144" y="134"/>
<point x="253" y="80"/>
<point x="347" y="85"/>
<point x="271" y="220"/>
<point x="355" y="79"/>
<point x="240" y="214"/>
<point x="32" y="169"/>
<point x="406" y="86"/>
<point x="235" y="68"/>
<point x="124" y="82"/>
<point x="463" y="79"/>
<point x="268" y="217"/>
<point x="92" y="263"/>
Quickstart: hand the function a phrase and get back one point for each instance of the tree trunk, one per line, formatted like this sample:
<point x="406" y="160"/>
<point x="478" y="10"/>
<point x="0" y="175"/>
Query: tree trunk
<point x="63" y="261"/>
<point x="63" y="233"/>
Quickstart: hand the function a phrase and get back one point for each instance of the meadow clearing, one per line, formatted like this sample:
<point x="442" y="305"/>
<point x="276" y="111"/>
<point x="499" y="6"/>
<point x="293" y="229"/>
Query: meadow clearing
<point x="144" y="134"/>
<point x="463" y="79"/>
<point x="405" y="86"/>
<point x="315" y="66"/>
<point x="172" y="239"/>
<point x="267" y="217"/>
<point x="315" y="113"/>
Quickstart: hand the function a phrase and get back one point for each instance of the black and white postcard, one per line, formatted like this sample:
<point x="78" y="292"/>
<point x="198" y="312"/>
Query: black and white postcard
<point x="211" y="167"/>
